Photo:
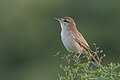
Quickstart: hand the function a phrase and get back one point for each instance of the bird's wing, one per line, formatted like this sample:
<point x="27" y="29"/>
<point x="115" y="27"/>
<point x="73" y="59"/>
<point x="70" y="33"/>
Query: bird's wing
<point x="86" y="49"/>
<point x="82" y="42"/>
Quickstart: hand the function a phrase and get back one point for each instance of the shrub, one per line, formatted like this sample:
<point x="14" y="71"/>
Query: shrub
<point x="83" y="69"/>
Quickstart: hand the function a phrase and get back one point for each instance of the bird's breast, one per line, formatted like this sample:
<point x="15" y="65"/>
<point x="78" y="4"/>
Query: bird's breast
<point x="69" y="42"/>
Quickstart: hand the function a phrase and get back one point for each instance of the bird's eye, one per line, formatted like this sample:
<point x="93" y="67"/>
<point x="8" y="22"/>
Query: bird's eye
<point x="66" y="21"/>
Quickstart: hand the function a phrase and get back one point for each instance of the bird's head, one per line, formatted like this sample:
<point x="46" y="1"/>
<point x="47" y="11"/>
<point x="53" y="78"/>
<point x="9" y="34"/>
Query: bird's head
<point x="66" y="23"/>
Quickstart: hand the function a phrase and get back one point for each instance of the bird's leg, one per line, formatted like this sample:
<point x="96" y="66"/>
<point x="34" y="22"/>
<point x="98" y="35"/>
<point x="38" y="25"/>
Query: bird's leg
<point x="77" y="56"/>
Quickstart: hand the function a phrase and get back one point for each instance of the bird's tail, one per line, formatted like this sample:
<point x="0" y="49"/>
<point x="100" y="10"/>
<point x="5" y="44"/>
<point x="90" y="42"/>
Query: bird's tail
<point x="94" y="59"/>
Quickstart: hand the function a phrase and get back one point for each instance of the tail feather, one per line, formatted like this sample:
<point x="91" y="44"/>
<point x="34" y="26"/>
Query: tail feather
<point x="95" y="59"/>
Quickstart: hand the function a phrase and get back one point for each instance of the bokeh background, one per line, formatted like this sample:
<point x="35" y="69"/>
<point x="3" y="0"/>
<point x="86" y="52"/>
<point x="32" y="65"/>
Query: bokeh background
<point x="29" y="35"/>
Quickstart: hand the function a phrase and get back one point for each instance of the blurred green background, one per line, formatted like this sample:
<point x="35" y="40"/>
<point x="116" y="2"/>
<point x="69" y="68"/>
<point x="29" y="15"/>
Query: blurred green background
<point x="29" y="35"/>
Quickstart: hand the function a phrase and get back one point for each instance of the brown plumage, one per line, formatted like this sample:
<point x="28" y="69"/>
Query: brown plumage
<point x="73" y="40"/>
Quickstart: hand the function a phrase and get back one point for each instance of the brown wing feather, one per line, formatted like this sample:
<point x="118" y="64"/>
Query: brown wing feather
<point x="82" y="42"/>
<point x="86" y="49"/>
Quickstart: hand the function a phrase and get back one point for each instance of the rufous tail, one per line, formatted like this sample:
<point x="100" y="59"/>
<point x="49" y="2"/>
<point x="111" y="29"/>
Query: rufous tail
<point x="95" y="59"/>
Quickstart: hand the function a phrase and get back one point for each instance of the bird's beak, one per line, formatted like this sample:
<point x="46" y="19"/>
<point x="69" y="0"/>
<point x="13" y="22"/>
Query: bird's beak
<point x="59" y="19"/>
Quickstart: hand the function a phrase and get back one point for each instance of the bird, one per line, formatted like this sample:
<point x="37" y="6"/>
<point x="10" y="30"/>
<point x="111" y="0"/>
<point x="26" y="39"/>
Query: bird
<point x="73" y="40"/>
